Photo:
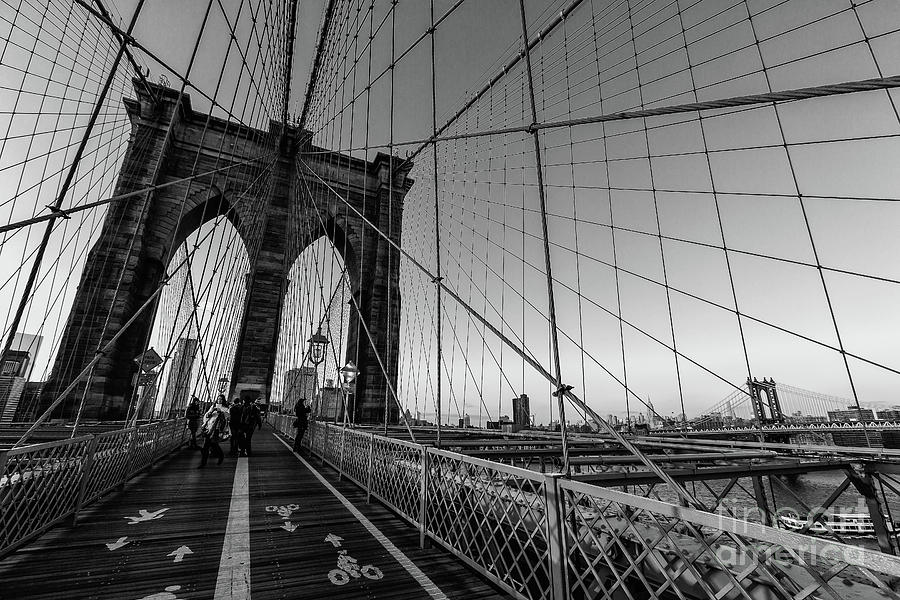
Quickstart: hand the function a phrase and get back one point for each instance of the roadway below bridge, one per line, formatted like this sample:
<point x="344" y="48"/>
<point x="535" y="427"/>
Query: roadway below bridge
<point x="269" y="526"/>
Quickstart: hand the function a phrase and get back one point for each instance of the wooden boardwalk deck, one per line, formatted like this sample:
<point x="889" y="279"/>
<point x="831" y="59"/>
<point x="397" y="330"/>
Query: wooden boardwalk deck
<point x="278" y="523"/>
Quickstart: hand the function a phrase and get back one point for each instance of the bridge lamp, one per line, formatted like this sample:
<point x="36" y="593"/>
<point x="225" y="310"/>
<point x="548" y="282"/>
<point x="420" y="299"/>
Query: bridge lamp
<point x="317" y="344"/>
<point x="349" y="373"/>
<point x="222" y="383"/>
<point x="348" y="376"/>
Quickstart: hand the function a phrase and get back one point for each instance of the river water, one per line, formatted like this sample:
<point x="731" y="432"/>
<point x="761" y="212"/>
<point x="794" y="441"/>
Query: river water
<point x="812" y="488"/>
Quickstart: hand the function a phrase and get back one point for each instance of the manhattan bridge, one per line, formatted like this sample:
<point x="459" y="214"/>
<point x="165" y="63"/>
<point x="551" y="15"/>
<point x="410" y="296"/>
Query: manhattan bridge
<point x="587" y="298"/>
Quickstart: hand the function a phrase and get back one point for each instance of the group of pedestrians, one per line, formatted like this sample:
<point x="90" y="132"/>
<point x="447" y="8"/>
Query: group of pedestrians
<point x="237" y="423"/>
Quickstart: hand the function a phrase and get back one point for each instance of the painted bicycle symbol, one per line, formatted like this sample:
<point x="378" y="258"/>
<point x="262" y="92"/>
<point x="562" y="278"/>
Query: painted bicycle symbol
<point x="283" y="511"/>
<point x="348" y="568"/>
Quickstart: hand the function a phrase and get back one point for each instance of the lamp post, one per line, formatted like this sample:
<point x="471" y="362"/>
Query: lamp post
<point x="348" y="376"/>
<point x="316" y="349"/>
<point x="223" y="382"/>
<point x="317" y="344"/>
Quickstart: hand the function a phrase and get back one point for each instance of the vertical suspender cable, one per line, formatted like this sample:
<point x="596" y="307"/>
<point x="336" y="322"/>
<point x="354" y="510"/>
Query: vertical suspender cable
<point x="554" y="343"/>
<point x="437" y="230"/>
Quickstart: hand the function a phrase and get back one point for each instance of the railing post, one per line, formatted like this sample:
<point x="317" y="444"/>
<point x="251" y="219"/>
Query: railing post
<point x="324" y="446"/>
<point x="369" y="461"/>
<point x="153" y="447"/>
<point x="423" y="499"/>
<point x="86" y="468"/>
<point x="555" y="518"/>
<point x="341" y="461"/>
<point x="131" y="451"/>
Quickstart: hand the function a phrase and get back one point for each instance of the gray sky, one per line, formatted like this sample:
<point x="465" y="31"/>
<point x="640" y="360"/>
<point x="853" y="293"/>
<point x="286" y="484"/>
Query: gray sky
<point x="735" y="176"/>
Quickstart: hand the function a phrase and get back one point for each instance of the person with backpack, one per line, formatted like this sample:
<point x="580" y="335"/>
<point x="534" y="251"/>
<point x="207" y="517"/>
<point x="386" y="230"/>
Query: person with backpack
<point x="193" y="419"/>
<point x="250" y="421"/>
<point x="215" y="423"/>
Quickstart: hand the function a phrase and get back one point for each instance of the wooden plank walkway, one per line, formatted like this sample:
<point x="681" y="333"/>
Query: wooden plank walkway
<point x="127" y="546"/>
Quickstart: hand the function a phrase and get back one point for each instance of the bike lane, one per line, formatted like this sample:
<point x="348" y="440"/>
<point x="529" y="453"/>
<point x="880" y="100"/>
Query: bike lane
<point x="305" y="542"/>
<point x="161" y="537"/>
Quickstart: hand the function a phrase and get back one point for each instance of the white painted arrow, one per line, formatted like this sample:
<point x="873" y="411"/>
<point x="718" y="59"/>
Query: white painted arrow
<point x="334" y="540"/>
<point x="180" y="553"/>
<point x="118" y="543"/>
<point x="289" y="527"/>
<point x="144" y="515"/>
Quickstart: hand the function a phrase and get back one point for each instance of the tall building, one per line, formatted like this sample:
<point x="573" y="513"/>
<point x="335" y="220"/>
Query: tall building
<point x="522" y="412"/>
<point x="178" y="385"/>
<point x="16" y="371"/>
<point x="299" y="384"/>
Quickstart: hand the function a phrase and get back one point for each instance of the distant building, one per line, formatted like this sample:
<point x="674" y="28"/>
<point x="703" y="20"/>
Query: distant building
<point x="851" y="414"/>
<point x="148" y="399"/>
<point x="890" y="414"/>
<point x="298" y="384"/>
<point x="28" y="403"/>
<point x="11" y="389"/>
<point x="16" y="371"/>
<point x="19" y="361"/>
<point x="329" y="404"/>
<point x="465" y="422"/>
<point x="178" y="386"/>
<point x="521" y="412"/>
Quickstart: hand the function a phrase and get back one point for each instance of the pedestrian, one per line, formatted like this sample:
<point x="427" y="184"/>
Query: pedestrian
<point x="234" y="424"/>
<point x="214" y="424"/>
<point x="193" y="419"/>
<point x="250" y="422"/>
<point x="301" y="410"/>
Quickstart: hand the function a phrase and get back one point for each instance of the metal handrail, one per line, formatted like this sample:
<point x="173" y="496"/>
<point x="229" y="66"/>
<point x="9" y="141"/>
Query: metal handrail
<point x="43" y="484"/>
<point x="544" y="536"/>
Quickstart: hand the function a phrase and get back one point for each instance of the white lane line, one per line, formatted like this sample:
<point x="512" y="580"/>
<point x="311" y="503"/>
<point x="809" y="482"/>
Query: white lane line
<point x="416" y="573"/>
<point x="233" y="581"/>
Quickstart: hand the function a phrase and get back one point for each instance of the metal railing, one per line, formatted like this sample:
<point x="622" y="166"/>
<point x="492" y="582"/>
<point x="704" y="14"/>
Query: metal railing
<point x="43" y="484"/>
<point x="543" y="536"/>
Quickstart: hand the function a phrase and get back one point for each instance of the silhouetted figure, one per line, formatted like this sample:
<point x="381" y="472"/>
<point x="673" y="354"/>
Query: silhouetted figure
<point x="234" y="424"/>
<point x="301" y="410"/>
<point x="193" y="419"/>
<point x="251" y="420"/>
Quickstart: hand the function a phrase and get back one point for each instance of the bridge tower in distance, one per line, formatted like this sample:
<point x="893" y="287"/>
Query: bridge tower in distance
<point x="764" y="395"/>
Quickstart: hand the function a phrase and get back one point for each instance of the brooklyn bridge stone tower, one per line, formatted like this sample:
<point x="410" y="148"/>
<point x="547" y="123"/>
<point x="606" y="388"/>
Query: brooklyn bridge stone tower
<point x="128" y="261"/>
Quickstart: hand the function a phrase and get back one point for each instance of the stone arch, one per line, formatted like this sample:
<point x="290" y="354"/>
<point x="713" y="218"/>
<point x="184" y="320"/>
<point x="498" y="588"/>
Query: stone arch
<point x="203" y="206"/>
<point x="140" y="244"/>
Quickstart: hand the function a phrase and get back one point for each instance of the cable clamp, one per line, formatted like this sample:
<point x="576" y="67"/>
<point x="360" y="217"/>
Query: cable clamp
<point x="561" y="390"/>
<point x="533" y="128"/>
<point x="58" y="212"/>
<point x="436" y="279"/>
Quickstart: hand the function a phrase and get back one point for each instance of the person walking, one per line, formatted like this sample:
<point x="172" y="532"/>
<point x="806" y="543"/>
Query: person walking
<point x="250" y="422"/>
<point x="193" y="419"/>
<point x="301" y="410"/>
<point x="234" y="424"/>
<point x="214" y="423"/>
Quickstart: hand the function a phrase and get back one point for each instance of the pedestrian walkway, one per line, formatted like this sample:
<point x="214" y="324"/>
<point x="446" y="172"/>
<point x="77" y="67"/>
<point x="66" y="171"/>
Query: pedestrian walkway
<point x="269" y="526"/>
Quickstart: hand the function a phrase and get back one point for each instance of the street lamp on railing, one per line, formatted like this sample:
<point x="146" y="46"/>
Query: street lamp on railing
<point x="223" y="382"/>
<point x="348" y="376"/>
<point x="317" y="345"/>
